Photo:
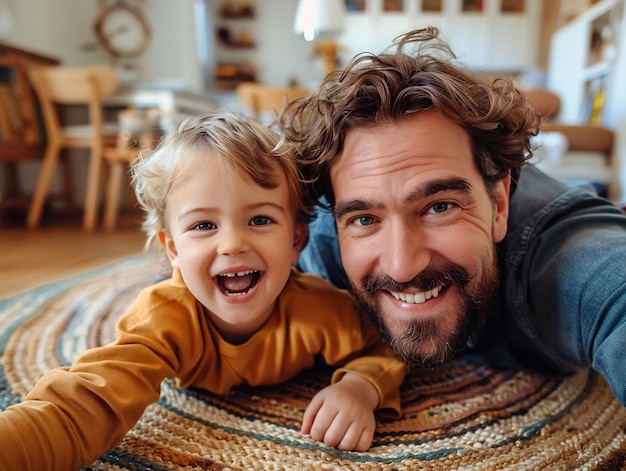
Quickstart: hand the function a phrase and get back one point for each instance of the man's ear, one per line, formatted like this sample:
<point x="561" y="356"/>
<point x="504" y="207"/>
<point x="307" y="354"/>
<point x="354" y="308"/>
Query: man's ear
<point x="300" y="235"/>
<point x="170" y="248"/>
<point x="501" y="215"/>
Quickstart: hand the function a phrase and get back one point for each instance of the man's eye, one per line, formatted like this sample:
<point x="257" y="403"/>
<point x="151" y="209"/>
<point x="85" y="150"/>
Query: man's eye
<point x="203" y="226"/>
<point x="440" y="207"/>
<point x="260" y="221"/>
<point x="363" y="221"/>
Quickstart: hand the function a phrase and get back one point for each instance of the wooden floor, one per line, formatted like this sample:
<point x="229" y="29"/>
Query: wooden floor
<point x="30" y="258"/>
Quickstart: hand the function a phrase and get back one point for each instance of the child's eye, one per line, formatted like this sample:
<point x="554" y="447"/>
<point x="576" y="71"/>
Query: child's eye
<point x="203" y="226"/>
<point x="260" y="221"/>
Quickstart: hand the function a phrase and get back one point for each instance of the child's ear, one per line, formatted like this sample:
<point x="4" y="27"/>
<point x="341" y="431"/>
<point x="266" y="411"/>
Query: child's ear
<point x="169" y="246"/>
<point x="301" y="233"/>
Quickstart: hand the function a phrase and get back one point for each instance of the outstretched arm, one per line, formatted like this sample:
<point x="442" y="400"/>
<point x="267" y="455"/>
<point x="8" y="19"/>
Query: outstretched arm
<point x="342" y="414"/>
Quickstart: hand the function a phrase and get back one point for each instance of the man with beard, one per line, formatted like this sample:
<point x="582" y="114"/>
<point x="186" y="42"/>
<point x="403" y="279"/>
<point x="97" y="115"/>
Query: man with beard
<point x="451" y="242"/>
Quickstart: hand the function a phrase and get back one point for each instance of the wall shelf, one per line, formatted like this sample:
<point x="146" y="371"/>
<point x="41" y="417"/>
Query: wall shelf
<point x="236" y="31"/>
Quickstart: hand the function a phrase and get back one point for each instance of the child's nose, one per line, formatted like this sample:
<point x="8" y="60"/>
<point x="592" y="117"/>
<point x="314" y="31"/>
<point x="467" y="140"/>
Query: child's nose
<point x="232" y="241"/>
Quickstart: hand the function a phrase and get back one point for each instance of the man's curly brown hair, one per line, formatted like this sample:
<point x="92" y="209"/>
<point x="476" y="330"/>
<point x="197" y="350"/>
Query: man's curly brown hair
<point x="416" y="73"/>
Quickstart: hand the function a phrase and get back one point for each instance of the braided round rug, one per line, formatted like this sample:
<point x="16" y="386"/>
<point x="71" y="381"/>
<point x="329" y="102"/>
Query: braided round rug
<point x="458" y="417"/>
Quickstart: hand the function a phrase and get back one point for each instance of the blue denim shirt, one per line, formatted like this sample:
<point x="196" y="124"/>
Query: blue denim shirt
<point x="562" y="300"/>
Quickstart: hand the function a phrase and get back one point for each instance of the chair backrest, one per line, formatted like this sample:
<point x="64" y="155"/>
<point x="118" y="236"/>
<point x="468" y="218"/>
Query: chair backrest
<point x="259" y="99"/>
<point x="76" y="85"/>
<point x="20" y="127"/>
<point x="546" y="102"/>
<point x="73" y="86"/>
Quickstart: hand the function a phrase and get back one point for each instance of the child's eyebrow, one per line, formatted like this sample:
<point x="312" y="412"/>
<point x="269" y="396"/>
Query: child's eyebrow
<point x="263" y="204"/>
<point x="211" y="210"/>
<point x="193" y="211"/>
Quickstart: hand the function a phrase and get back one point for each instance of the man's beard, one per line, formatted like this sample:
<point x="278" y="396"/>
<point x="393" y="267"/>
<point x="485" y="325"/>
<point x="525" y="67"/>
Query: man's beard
<point x="428" y="342"/>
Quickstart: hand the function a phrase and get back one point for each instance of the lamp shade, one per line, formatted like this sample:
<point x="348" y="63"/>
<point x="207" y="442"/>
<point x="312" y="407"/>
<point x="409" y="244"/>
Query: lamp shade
<point x="316" y="16"/>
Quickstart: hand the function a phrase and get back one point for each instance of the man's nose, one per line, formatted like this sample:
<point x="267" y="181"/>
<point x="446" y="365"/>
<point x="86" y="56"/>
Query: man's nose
<point x="232" y="241"/>
<point x="404" y="250"/>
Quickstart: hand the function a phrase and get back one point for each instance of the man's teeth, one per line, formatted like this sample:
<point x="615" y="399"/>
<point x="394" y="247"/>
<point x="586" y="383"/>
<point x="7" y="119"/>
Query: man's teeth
<point x="417" y="298"/>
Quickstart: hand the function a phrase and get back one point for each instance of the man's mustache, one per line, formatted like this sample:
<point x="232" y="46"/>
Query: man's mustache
<point x="426" y="280"/>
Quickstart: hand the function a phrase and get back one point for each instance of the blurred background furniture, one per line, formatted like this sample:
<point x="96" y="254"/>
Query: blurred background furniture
<point x="57" y="86"/>
<point x="263" y="102"/>
<point x="587" y="69"/>
<point x="137" y="134"/>
<point x="21" y="137"/>
<point x="175" y="105"/>
<point x="584" y="153"/>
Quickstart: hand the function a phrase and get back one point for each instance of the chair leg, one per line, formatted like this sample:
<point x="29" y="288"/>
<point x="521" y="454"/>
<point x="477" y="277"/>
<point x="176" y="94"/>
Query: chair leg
<point x="43" y="185"/>
<point x="68" y="181"/>
<point x="112" y="199"/>
<point x="93" y="189"/>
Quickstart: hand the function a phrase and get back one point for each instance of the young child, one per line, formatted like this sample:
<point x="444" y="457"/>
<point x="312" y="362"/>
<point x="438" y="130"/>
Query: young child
<point x="224" y="197"/>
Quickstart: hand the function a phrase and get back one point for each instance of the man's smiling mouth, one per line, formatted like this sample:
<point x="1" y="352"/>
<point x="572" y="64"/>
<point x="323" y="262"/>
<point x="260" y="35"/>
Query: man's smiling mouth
<point x="417" y="298"/>
<point x="238" y="283"/>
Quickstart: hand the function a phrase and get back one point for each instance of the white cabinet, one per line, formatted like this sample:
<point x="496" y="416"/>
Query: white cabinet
<point x="490" y="35"/>
<point x="584" y="55"/>
<point x="588" y="71"/>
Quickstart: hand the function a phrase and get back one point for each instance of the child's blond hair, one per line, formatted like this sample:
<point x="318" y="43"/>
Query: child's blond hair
<point x="240" y="143"/>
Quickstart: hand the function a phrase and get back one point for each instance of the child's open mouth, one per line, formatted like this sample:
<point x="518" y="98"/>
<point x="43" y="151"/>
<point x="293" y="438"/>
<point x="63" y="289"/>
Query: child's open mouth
<point x="238" y="283"/>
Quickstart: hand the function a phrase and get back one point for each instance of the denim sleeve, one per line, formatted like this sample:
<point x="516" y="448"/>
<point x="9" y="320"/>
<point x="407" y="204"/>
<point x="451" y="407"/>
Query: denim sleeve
<point x="565" y="288"/>
<point x="321" y="254"/>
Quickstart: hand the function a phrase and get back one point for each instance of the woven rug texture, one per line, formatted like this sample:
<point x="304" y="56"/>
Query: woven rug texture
<point x="461" y="416"/>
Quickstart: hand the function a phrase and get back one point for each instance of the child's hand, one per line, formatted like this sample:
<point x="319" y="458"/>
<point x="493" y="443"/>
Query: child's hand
<point x="342" y="414"/>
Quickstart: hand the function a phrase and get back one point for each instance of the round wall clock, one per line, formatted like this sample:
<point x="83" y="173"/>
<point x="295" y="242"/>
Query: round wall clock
<point x="123" y="29"/>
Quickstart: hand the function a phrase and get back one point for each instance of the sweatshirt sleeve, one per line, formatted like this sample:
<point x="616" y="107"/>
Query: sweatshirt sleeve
<point x="74" y="414"/>
<point x="349" y="341"/>
<point x="381" y="367"/>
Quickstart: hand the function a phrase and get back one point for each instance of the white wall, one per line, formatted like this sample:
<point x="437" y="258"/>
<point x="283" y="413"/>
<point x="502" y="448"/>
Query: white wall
<point x="64" y="29"/>
<point x="59" y="28"/>
<point x="171" y="56"/>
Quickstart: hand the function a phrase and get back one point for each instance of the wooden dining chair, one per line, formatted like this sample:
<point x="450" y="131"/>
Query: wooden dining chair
<point x="264" y="102"/>
<point x="119" y="159"/>
<point x="73" y="86"/>
<point x="21" y="136"/>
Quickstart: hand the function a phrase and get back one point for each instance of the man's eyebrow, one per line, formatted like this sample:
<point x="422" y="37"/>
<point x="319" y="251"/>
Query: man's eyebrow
<point x="430" y="188"/>
<point x="347" y="207"/>
<point x="433" y="187"/>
